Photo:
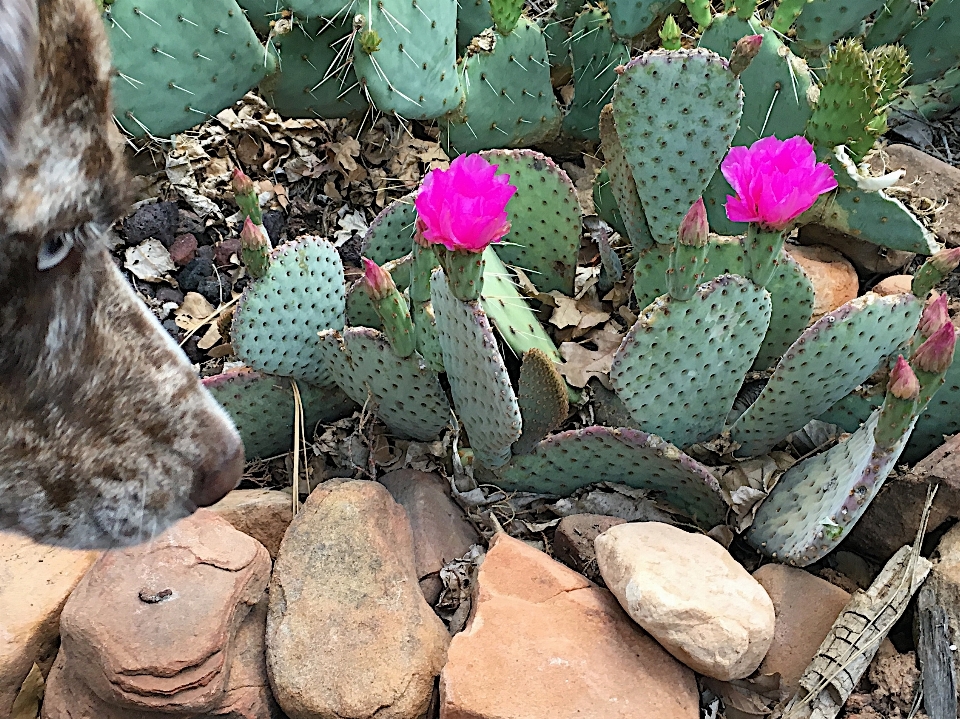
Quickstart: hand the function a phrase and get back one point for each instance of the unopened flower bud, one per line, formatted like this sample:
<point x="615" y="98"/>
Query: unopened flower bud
<point x="242" y="185"/>
<point x="946" y="261"/>
<point x="694" y="228"/>
<point x="903" y="383"/>
<point x="377" y="281"/>
<point x="744" y="51"/>
<point x="935" y="316"/>
<point x="936" y="354"/>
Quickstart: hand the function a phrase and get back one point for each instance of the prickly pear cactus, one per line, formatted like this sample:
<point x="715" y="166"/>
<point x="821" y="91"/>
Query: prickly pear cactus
<point x="542" y="399"/>
<point x="934" y="41"/>
<point x="777" y="89"/>
<point x="681" y="365"/>
<point x="178" y="65"/>
<point x="569" y="460"/>
<point x="390" y="235"/>
<point x="481" y="389"/>
<point x="509" y="312"/>
<point x="816" y="502"/>
<point x="509" y="99"/>
<point x="791" y="292"/>
<point x="835" y="355"/>
<point x="544" y="216"/>
<point x="278" y="316"/>
<point x="676" y="113"/>
<point x="623" y="187"/>
<point x="405" y="56"/>
<point x="632" y="17"/>
<point x="311" y="79"/>
<point x="403" y="392"/>
<point x="596" y="56"/>
<point x="473" y="17"/>
<point x="822" y="22"/>
<point x="606" y="204"/>
<point x="262" y="408"/>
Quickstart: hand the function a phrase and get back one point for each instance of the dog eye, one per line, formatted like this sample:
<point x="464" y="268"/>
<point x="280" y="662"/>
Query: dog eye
<point x="54" y="250"/>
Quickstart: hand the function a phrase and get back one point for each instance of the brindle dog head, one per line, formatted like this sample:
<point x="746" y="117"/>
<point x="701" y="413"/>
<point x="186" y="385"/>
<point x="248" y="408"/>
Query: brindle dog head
<point x="106" y="436"/>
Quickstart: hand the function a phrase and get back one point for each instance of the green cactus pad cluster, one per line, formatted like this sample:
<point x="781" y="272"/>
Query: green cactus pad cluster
<point x="542" y="398"/>
<point x="509" y="312"/>
<point x="676" y="113"/>
<point x="481" y="389"/>
<point x="596" y="56"/>
<point x="777" y="87"/>
<point x="681" y="365"/>
<point x="306" y="83"/>
<point x="405" y="393"/>
<point x="632" y="17"/>
<point x="509" y="99"/>
<point x="570" y="460"/>
<point x="893" y="19"/>
<point x="544" y="216"/>
<point x="278" y="316"/>
<point x="836" y="354"/>
<point x="413" y="70"/>
<point x="262" y="408"/>
<point x="822" y="22"/>
<point x="816" y="502"/>
<point x="932" y="99"/>
<point x="623" y="188"/>
<point x="261" y="13"/>
<point x="176" y="66"/>
<point x="848" y="102"/>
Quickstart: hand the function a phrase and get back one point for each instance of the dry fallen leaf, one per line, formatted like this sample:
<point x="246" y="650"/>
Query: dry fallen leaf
<point x="566" y="313"/>
<point x="192" y="313"/>
<point x="210" y="337"/>
<point x="582" y="364"/>
<point x="149" y="261"/>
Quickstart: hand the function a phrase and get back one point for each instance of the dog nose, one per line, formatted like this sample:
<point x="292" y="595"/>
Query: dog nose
<point x="213" y="483"/>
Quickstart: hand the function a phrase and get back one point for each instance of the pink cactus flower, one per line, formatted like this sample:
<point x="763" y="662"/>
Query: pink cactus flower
<point x="252" y="236"/>
<point x="464" y="207"/>
<point x="377" y="281"/>
<point x="775" y="181"/>
<point x="694" y="228"/>
<point x="903" y="382"/>
<point x="935" y="316"/>
<point x="936" y="354"/>
<point x="241" y="184"/>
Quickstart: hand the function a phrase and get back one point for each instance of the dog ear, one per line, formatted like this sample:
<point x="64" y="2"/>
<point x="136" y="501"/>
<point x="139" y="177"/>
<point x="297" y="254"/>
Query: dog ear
<point x="18" y="51"/>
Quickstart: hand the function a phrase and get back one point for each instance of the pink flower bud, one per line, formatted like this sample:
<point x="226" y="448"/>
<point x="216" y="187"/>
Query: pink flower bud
<point x="936" y="354"/>
<point x="464" y="207"/>
<point x="935" y="316"/>
<point x="903" y="383"/>
<point x="775" y="181"/>
<point x="252" y="237"/>
<point x="744" y="51"/>
<point x="378" y="282"/>
<point x="242" y="185"/>
<point x="694" y="228"/>
<point x="946" y="261"/>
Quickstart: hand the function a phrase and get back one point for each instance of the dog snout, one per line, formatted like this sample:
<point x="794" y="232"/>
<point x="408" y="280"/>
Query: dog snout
<point x="221" y="472"/>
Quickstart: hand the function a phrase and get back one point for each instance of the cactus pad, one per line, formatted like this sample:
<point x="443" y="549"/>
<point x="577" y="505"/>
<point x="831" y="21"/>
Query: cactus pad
<point x="509" y="99"/>
<point x="836" y="354"/>
<point x="177" y="65"/>
<point x="605" y="204"/>
<point x="631" y="17"/>
<point x="596" y="56"/>
<point x="544" y="215"/>
<point x="473" y="17"/>
<point x="300" y="86"/>
<point x="509" y="312"/>
<point x="278" y="316"/>
<point x="822" y="22"/>
<point x="817" y="501"/>
<point x="413" y="71"/>
<point x="676" y="113"/>
<point x="622" y="185"/>
<point x="262" y="408"/>
<point x="542" y="399"/>
<point x="681" y="365"/>
<point x="481" y="389"/>
<point x="407" y="395"/>
<point x="390" y="235"/>
<point x="567" y="461"/>
<point x="934" y="41"/>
